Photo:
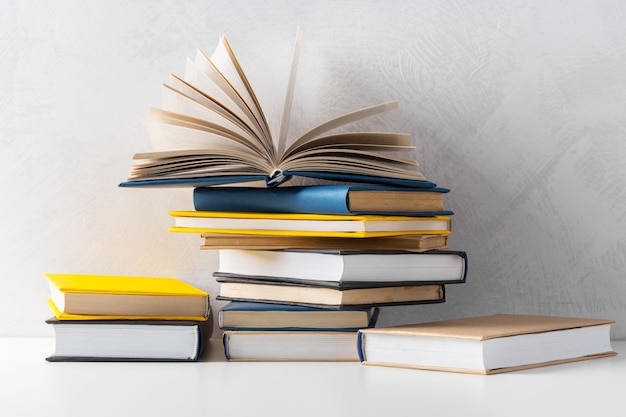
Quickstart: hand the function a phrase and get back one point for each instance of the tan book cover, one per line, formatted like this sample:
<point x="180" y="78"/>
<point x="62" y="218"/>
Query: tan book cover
<point x="514" y="341"/>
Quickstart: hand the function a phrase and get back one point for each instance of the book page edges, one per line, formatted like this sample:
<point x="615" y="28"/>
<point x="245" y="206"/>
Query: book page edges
<point x="490" y="371"/>
<point x="305" y="233"/>
<point x="68" y="316"/>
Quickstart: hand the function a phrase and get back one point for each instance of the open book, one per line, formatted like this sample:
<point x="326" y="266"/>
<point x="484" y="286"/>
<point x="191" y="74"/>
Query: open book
<point x="212" y="130"/>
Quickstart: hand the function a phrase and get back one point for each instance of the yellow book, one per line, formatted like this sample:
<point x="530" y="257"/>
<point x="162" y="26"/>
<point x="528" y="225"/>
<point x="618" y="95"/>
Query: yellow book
<point x="323" y="225"/>
<point x="130" y="297"/>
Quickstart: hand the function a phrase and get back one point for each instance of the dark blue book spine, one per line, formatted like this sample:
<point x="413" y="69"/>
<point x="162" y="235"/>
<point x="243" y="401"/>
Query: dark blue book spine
<point x="359" y="346"/>
<point x="321" y="199"/>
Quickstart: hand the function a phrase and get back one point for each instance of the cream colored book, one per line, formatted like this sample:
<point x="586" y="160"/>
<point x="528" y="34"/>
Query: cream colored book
<point x="415" y="243"/>
<point x="316" y="225"/>
<point x="325" y="294"/>
<point x="487" y="345"/>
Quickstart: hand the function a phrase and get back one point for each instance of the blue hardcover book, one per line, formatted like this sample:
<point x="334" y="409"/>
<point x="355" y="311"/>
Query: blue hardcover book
<point x="244" y="315"/>
<point x="323" y="199"/>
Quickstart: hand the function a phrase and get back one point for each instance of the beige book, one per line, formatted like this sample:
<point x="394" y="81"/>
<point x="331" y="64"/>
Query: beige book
<point x="416" y="243"/>
<point x="242" y="289"/>
<point x="487" y="345"/>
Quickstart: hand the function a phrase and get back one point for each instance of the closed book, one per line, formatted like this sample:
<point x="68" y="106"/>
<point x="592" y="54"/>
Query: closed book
<point x="488" y="344"/>
<point x="240" y="315"/>
<point x="325" y="295"/>
<point x="323" y="199"/>
<point x="348" y="268"/>
<point x="314" y="346"/>
<point x="127" y="340"/>
<point x="290" y="224"/>
<point x="414" y="243"/>
<point x="128" y="296"/>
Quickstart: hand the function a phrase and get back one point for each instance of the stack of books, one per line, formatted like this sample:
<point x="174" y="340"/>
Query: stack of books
<point x="281" y="262"/>
<point x="126" y="318"/>
<point x="305" y="268"/>
<point x="362" y="228"/>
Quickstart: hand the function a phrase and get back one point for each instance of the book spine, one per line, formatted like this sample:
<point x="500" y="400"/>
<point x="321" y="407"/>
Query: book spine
<point x="359" y="346"/>
<point x="225" y="338"/>
<point x="327" y="200"/>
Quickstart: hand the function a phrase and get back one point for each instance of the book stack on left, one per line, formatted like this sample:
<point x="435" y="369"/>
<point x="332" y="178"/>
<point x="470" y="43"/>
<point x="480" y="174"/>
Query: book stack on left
<point x="126" y="318"/>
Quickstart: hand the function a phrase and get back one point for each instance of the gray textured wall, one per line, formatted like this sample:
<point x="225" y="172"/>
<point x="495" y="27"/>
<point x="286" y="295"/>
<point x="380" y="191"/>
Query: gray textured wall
<point x="517" y="106"/>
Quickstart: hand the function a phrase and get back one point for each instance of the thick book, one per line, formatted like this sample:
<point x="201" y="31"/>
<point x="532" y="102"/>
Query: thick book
<point x="413" y="243"/>
<point x="325" y="295"/>
<point x="240" y="315"/>
<point x="212" y="130"/>
<point x="488" y="344"/>
<point x="127" y="340"/>
<point x="349" y="268"/>
<point x="292" y="224"/>
<point x="285" y="346"/>
<point x="128" y="296"/>
<point x="323" y="199"/>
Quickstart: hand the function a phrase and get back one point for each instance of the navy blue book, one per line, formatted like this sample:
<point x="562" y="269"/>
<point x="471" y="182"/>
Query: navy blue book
<point x="212" y="130"/>
<point x="324" y="199"/>
<point x="242" y="315"/>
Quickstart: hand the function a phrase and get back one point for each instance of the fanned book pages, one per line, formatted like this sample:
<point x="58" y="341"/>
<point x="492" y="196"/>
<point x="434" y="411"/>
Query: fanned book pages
<point x="212" y="130"/>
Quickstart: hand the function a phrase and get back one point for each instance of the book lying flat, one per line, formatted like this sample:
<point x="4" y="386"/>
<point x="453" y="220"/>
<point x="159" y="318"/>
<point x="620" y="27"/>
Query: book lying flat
<point x="60" y="315"/>
<point x="276" y="345"/>
<point x="128" y="296"/>
<point x="487" y="345"/>
<point x="212" y="130"/>
<point x="414" y="243"/>
<point x="346" y="268"/>
<point x="323" y="199"/>
<point x="239" y="315"/>
<point x="289" y="224"/>
<point x="126" y="340"/>
<point x="321" y="294"/>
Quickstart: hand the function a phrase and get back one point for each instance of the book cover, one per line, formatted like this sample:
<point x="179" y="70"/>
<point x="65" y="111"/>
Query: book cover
<point x="323" y="199"/>
<point x="346" y="268"/>
<point x="318" y="225"/>
<point x="128" y="340"/>
<point x="212" y="130"/>
<point x="322" y="295"/>
<point x="126" y="296"/>
<point x="488" y="344"/>
<point x="240" y="315"/>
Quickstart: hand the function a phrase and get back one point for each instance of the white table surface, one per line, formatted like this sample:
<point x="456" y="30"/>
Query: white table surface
<point x="30" y="386"/>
